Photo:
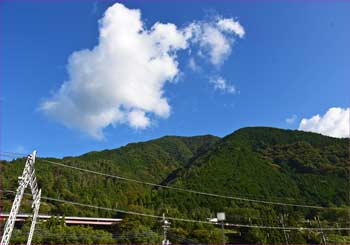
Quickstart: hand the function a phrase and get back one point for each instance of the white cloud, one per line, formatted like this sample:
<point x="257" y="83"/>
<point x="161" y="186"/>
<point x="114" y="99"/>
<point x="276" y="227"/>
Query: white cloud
<point x="291" y="119"/>
<point x="334" y="123"/>
<point x="230" y="25"/>
<point x="138" y="119"/>
<point x="216" y="38"/>
<point x="221" y="84"/>
<point x="122" y="78"/>
<point x="216" y="43"/>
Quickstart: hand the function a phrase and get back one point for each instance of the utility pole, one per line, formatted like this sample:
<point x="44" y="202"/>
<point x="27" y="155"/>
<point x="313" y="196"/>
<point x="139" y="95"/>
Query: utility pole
<point x="221" y="217"/>
<point x="166" y="226"/>
<point x="323" y="235"/>
<point x="284" y="230"/>
<point x="27" y="178"/>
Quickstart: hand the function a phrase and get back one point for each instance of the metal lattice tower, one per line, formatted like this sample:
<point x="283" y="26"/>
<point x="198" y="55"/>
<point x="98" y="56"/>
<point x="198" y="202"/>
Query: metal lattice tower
<point x="284" y="230"/>
<point x="166" y="226"/>
<point x="27" y="178"/>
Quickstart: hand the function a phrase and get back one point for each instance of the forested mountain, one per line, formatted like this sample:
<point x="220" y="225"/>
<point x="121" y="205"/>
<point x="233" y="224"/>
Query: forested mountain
<point x="274" y="165"/>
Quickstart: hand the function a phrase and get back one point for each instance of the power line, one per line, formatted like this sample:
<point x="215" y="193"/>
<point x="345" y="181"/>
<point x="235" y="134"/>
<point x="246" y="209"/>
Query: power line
<point x="183" y="219"/>
<point x="182" y="189"/>
<point x="7" y="153"/>
<point x="188" y="190"/>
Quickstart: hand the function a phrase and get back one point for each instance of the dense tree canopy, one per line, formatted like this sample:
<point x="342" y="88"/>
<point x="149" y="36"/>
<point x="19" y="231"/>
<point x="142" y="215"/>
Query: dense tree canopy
<point x="257" y="163"/>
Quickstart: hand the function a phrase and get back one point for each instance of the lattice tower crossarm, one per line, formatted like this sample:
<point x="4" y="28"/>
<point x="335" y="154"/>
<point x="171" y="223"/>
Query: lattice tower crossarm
<point x="27" y="178"/>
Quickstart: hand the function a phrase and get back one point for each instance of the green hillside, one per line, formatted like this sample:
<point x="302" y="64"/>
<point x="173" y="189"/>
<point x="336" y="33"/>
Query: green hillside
<point x="256" y="163"/>
<point x="269" y="162"/>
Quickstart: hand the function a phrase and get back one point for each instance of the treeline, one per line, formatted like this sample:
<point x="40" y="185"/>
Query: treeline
<point x="255" y="163"/>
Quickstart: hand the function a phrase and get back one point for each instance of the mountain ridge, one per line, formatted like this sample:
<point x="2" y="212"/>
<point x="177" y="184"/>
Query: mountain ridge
<point x="261" y="162"/>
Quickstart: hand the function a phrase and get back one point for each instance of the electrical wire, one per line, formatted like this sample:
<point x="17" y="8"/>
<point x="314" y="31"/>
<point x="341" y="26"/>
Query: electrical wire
<point x="189" y="190"/>
<point x="186" y="220"/>
<point x="246" y="194"/>
<point x="182" y="189"/>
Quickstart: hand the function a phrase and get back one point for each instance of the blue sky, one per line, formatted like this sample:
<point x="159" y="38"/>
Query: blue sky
<point x="293" y="62"/>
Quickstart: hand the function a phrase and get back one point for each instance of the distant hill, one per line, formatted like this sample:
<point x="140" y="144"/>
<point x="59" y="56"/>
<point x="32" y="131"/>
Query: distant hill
<point x="258" y="163"/>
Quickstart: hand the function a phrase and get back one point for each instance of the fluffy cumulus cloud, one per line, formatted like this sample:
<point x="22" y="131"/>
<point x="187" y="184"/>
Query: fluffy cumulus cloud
<point x="121" y="79"/>
<point x="334" y="123"/>
<point x="221" y="84"/>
